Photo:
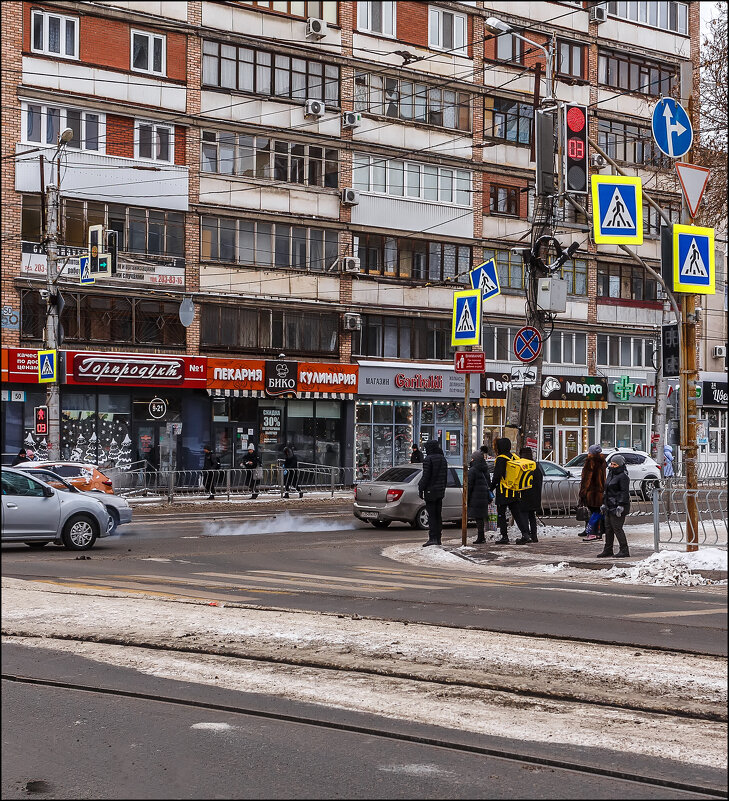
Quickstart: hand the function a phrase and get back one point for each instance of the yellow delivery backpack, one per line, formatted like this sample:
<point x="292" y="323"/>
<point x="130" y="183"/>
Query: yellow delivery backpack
<point x="519" y="474"/>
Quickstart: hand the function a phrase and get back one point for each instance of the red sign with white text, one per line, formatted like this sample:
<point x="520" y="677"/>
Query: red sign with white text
<point x="243" y="374"/>
<point x="323" y="377"/>
<point x="135" y="370"/>
<point x="20" y="365"/>
<point x="470" y="361"/>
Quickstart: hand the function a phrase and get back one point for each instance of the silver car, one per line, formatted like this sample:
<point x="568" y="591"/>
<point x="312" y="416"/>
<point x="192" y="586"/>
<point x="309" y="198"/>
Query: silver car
<point x="120" y="512"/>
<point x="643" y="471"/>
<point x="35" y="513"/>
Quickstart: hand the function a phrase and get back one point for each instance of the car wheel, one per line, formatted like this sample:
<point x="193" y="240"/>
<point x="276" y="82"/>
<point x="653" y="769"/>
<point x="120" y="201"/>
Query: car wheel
<point x="648" y="487"/>
<point x="421" y="519"/>
<point x="113" y="520"/>
<point x="380" y="523"/>
<point x="80" y="533"/>
<point x="36" y="544"/>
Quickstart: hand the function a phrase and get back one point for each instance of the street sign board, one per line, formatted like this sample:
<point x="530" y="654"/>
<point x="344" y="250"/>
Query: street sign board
<point x="522" y="375"/>
<point x="486" y="278"/>
<point x="85" y="276"/>
<point x="473" y="361"/>
<point x="527" y="344"/>
<point x="693" y="180"/>
<point x="693" y="260"/>
<point x="617" y="210"/>
<point x="671" y="128"/>
<point x="47" y="363"/>
<point x="466" y="328"/>
<point x="670" y="351"/>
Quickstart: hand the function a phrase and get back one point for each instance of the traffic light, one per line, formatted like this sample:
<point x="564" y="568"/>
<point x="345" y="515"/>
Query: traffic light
<point x="575" y="149"/>
<point x="41" y="420"/>
<point x="112" y="248"/>
<point x="95" y="234"/>
<point x="544" y="150"/>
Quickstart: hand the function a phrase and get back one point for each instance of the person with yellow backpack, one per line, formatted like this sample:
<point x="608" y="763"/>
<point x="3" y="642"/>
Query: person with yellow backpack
<point x="510" y="478"/>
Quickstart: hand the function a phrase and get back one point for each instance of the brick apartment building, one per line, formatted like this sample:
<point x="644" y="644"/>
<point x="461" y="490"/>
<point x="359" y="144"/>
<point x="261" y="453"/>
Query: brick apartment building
<point x="216" y="139"/>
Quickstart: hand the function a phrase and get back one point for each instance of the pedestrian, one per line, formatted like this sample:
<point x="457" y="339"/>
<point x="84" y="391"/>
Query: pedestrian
<point x="615" y="506"/>
<point x="251" y="462"/>
<point x="592" y="490"/>
<point x="506" y="498"/>
<point x="291" y="472"/>
<point x="416" y="457"/>
<point x="479" y="493"/>
<point x="21" y="457"/>
<point x="431" y="488"/>
<point x="668" y="461"/>
<point x="211" y="464"/>
<point x="531" y="497"/>
<point x="485" y="450"/>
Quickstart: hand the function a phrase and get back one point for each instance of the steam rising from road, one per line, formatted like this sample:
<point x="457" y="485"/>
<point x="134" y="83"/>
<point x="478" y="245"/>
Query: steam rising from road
<point x="278" y="524"/>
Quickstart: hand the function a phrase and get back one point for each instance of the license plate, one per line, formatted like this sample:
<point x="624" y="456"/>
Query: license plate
<point x="369" y="515"/>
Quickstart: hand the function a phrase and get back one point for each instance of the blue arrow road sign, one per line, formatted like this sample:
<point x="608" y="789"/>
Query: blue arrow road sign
<point x="486" y="278"/>
<point x="671" y="128"/>
<point x="527" y="344"/>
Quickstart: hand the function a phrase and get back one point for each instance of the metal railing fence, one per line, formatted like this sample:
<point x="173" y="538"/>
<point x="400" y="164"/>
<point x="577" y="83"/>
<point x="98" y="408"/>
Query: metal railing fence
<point x="670" y="510"/>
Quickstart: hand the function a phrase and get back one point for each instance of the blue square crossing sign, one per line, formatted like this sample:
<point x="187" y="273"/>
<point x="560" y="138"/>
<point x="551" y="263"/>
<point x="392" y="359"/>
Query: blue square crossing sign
<point x="617" y="210"/>
<point x="693" y="260"/>
<point x="47" y="366"/>
<point x="486" y="278"/>
<point x="466" y="317"/>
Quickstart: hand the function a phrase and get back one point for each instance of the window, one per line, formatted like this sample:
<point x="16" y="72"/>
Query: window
<point x="412" y="180"/>
<point x="376" y="17"/>
<point x="617" y="351"/>
<point x="570" y="59"/>
<point x="259" y="72"/>
<point x="149" y="53"/>
<point x="267" y="244"/>
<point x="510" y="120"/>
<point x="403" y="338"/>
<point x="19" y="484"/>
<point x="623" y="281"/>
<point x="54" y="34"/>
<point x="509" y="48"/>
<point x="624" y="427"/>
<point x="511" y="271"/>
<point x="153" y="141"/>
<point x="321" y="9"/>
<point x="635" y="74"/>
<point x="566" y="347"/>
<point x="446" y="30"/>
<point x="409" y="101"/>
<point x="668" y="16"/>
<point x="652" y="220"/>
<point x="260" y="157"/>
<point x="418" y="259"/>
<point x="42" y="124"/>
<point x="504" y="200"/>
<point x="631" y="143"/>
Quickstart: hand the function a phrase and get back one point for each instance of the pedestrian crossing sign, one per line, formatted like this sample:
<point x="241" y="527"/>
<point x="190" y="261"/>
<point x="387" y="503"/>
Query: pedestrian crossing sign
<point x="85" y="275"/>
<point x="693" y="260"/>
<point x="486" y="278"/>
<point x="466" y="317"/>
<point x="47" y="361"/>
<point x="617" y="210"/>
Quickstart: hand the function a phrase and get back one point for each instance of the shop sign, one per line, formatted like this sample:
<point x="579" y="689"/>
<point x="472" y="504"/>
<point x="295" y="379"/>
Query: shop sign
<point x="494" y="385"/>
<point x="20" y="365"/>
<point x="334" y="378"/>
<point x="245" y="374"/>
<point x="412" y="383"/>
<point x="627" y="390"/>
<point x="715" y="393"/>
<point x="574" y="388"/>
<point x="135" y="370"/>
<point x="13" y="396"/>
<point x="270" y="426"/>
<point x="157" y="408"/>
<point x="281" y="379"/>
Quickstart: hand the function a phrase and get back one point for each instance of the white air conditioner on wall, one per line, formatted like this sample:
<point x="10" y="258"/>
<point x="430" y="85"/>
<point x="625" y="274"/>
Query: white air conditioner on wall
<point x="314" y="109"/>
<point x="316" y="28"/>
<point x="720" y="351"/>
<point x="351" y="119"/>
<point x="350" y="197"/>
<point x="352" y="322"/>
<point x="350" y="264"/>
<point x="598" y="13"/>
<point x="597" y="161"/>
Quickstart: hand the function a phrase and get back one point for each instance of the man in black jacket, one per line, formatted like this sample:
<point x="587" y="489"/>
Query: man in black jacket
<point x="211" y="464"/>
<point x="431" y="487"/>
<point x="505" y="498"/>
<point x="416" y="456"/>
<point x="531" y="499"/>
<point x="615" y="506"/>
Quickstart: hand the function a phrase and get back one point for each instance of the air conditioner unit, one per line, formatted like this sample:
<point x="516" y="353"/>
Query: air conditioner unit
<point x="314" y="109"/>
<point x="598" y="13"/>
<point x="350" y="264"/>
<point x="597" y="161"/>
<point x="350" y="197"/>
<point x="352" y="322"/>
<point x="720" y="351"/>
<point x="316" y="28"/>
<point x="351" y="119"/>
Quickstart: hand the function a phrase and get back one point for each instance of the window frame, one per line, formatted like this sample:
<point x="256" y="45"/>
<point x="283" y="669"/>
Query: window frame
<point x="364" y="17"/>
<point x="511" y="195"/>
<point x="517" y="49"/>
<point x="149" y="70"/>
<point x="613" y="343"/>
<point x="265" y="5"/>
<point x="62" y="123"/>
<point x="613" y="138"/>
<point x="434" y="12"/>
<point x="582" y="59"/>
<point x="520" y="115"/>
<point x="155" y="125"/>
<point x="629" y="65"/>
<point x="64" y="19"/>
<point x="642" y="10"/>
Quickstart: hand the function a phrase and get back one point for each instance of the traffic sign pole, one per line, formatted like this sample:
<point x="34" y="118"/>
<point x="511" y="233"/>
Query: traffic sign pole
<point x="466" y="454"/>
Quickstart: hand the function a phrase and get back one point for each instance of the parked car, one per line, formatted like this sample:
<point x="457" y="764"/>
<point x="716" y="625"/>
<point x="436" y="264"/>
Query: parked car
<point x="35" y="513"/>
<point x="117" y="507"/>
<point x="82" y="475"/>
<point x="643" y="471"/>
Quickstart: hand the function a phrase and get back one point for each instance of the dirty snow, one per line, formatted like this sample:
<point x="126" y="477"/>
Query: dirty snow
<point x="555" y="568"/>
<point x="668" y="568"/>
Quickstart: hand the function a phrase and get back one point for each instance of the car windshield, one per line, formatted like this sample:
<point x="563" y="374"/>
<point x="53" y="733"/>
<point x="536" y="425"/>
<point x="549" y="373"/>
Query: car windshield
<point x="54" y="480"/>
<point x="577" y="461"/>
<point x="398" y="475"/>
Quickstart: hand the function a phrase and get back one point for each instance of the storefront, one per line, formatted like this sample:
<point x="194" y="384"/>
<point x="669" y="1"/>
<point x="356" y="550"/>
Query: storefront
<point x="627" y="421"/>
<point x="713" y="424"/>
<point x="399" y="404"/>
<point x="21" y="393"/>
<point x="278" y="403"/>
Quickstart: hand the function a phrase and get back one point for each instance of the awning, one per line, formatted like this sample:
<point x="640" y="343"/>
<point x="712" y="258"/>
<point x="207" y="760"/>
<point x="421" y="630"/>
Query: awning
<point x="492" y="402"/>
<point x="257" y="393"/>
<point x="573" y="404"/>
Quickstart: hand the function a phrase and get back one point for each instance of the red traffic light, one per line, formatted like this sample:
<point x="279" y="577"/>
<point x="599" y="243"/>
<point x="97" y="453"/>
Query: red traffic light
<point x="575" y="119"/>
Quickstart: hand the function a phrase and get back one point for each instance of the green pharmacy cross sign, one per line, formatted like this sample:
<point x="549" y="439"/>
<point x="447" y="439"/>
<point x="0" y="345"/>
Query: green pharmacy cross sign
<point x="624" y="389"/>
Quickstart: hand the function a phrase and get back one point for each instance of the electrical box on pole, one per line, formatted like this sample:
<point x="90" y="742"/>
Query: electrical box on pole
<point x="544" y="134"/>
<point x="575" y="149"/>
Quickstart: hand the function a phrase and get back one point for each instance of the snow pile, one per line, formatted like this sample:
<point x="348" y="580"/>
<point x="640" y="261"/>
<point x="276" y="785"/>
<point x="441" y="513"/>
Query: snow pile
<point x="671" y="568"/>
<point x="554" y="568"/>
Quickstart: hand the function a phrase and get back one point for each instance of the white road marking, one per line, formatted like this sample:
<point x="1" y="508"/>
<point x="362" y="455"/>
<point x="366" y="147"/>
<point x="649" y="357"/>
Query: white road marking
<point x="684" y="613"/>
<point x="594" y="592"/>
<point x="343" y="580"/>
<point x="213" y="726"/>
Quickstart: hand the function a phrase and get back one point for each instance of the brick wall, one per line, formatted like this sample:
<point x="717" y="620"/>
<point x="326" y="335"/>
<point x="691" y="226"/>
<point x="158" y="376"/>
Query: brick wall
<point x="120" y="136"/>
<point x="180" y="145"/>
<point x="412" y="23"/>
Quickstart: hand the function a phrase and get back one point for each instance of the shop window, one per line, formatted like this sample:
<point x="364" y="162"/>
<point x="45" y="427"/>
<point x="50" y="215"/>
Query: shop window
<point x="624" y="427"/>
<point x="383" y="436"/>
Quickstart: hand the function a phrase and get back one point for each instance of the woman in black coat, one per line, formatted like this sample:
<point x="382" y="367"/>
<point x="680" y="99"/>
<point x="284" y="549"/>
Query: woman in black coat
<point x="615" y="506"/>
<point x="291" y="472"/>
<point x="478" y="493"/>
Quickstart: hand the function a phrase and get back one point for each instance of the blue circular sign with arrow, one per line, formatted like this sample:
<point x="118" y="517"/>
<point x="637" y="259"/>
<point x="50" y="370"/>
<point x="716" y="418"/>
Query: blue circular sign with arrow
<point x="527" y="344"/>
<point x="672" y="128"/>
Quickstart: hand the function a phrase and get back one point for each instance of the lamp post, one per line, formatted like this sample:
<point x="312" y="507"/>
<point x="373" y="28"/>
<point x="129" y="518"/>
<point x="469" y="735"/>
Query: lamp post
<point x="52" y="296"/>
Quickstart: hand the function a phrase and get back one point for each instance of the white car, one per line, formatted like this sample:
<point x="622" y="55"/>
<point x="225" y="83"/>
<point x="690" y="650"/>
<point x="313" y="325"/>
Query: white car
<point x="643" y="471"/>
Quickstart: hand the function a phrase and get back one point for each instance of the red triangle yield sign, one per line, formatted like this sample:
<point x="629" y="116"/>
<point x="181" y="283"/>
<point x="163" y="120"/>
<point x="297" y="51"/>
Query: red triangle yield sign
<point x="693" y="183"/>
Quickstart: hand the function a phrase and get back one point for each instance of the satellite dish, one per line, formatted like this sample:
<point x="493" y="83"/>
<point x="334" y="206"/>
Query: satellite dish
<point x="187" y="312"/>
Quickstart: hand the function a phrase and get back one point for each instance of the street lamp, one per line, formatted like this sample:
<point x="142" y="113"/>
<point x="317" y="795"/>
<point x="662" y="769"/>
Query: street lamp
<point x="499" y="27"/>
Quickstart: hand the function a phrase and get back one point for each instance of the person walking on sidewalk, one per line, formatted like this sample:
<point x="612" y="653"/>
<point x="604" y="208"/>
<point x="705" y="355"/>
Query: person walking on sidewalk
<point x="615" y="506"/>
<point x="531" y="498"/>
<point x="417" y="455"/>
<point x="251" y="462"/>
<point x="211" y="465"/>
<point x="291" y="472"/>
<point x="479" y="493"/>
<point x="506" y="498"/>
<point x="592" y="489"/>
<point x="431" y="488"/>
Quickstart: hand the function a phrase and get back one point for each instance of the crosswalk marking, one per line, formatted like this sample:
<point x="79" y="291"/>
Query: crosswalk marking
<point x="442" y="577"/>
<point x="718" y="611"/>
<point x="309" y="583"/>
<point x="341" y="579"/>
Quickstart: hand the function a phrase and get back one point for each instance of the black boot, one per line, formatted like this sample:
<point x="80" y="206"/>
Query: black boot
<point x="522" y="541"/>
<point x="431" y="541"/>
<point x="479" y="540"/>
<point x="605" y="554"/>
<point x="301" y="494"/>
<point x="623" y="553"/>
<point x="503" y="541"/>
